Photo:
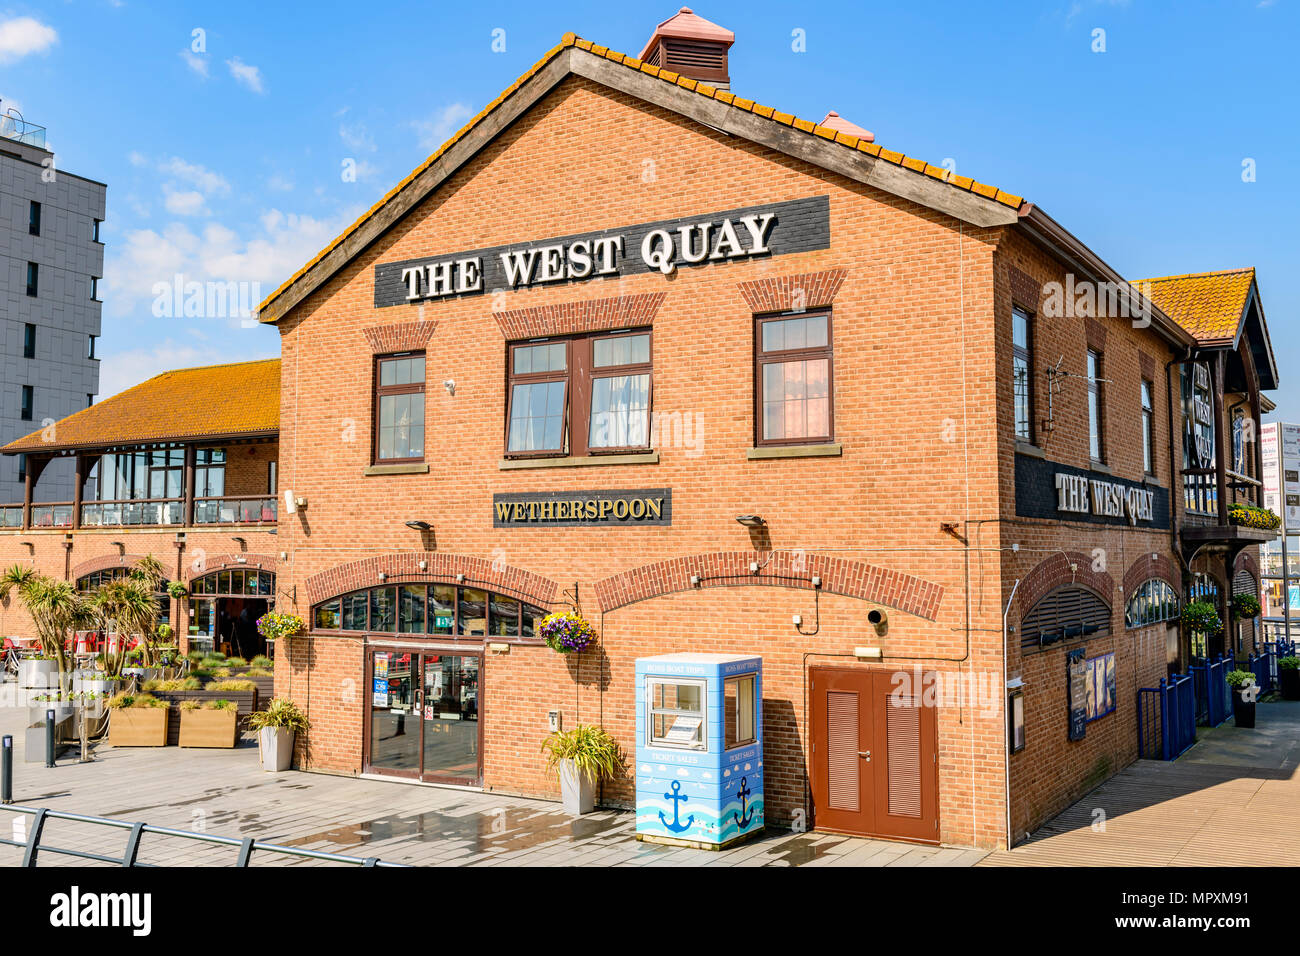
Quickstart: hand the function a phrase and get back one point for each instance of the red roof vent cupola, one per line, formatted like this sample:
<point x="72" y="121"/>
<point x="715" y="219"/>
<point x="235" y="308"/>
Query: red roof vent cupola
<point x="691" y="46"/>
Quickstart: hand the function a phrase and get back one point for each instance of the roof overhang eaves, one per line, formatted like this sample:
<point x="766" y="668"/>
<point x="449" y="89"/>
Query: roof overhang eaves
<point x="105" y="447"/>
<point x="1050" y="233"/>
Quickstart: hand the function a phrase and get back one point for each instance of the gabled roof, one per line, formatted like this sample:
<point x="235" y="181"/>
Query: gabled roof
<point x="1210" y="305"/>
<point x="214" y="401"/>
<point x="844" y="153"/>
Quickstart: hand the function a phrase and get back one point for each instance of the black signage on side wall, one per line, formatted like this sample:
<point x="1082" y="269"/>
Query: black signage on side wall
<point x="577" y="509"/>
<point x="736" y="235"/>
<point x="1046" y="489"/>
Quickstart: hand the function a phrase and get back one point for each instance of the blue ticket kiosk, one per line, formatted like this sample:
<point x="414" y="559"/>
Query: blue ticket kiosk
<point x="699" y="750"/>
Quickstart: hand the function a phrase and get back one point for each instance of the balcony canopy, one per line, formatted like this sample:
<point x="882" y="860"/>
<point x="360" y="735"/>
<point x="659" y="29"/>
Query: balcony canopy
<point x="211" y="403"/>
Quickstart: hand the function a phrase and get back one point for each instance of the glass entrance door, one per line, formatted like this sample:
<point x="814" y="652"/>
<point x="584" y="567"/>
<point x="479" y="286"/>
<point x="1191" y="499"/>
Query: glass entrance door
<point x="451" y="727"/>
<point x="424" y="716"/>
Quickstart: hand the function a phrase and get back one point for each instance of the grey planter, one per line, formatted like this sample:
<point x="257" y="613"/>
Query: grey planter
<point x="38" y="673"/>
<point x="577" y="790"/>
<point x="276" y="747"/>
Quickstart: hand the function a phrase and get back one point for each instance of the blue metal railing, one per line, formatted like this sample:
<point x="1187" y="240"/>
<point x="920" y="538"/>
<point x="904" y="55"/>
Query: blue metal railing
<point x="1213" y="697"/>
<point x="1167" y="718"/>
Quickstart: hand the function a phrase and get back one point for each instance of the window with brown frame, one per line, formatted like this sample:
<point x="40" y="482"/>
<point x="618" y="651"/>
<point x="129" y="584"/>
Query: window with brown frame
<point x="793" y="379"/>
<point x="578" y="396"/>
<point x="399" y="408"/>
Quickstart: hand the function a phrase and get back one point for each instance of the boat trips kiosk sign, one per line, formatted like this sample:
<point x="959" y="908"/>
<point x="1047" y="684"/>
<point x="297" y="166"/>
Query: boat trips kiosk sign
<point x="800" y="225"/>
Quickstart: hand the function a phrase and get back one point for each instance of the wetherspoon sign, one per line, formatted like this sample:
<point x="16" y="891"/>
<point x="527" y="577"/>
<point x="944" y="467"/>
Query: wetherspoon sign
<point x="800" y="225"/>
<point x="572" y="509"/>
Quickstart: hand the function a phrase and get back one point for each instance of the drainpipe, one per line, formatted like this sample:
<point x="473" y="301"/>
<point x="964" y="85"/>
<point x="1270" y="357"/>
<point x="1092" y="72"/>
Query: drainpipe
<point x="1174" y="543"/>
<point x="1006" y="749"/>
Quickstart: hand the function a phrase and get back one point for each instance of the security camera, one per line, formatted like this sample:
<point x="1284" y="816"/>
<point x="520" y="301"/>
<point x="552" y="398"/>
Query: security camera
<point x="878" y="619"/>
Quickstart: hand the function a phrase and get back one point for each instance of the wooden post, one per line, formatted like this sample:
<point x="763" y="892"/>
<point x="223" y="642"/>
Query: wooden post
<point x="78" y="491"/>
<point x="188" y="517"/>
<point x="28" y="484"/>
<point x="1220" y="440"/>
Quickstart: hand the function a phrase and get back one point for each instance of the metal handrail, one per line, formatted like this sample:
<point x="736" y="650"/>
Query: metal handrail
<point x="246" y="846"/>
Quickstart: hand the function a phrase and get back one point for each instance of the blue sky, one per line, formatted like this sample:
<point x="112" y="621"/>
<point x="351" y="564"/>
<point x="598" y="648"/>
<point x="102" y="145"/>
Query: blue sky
<point x="227" y="162"/>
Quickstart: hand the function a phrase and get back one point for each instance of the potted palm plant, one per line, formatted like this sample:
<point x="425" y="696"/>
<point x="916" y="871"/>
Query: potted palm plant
<point x="1244" y="692"/>
<point x="582" y="756"/>
<point x="276" y="727"/>
<point x="1288" y="675"/>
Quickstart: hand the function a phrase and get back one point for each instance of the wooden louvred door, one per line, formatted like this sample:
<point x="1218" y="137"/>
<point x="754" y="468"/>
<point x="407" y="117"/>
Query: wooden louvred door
<point x="873" y="771"/>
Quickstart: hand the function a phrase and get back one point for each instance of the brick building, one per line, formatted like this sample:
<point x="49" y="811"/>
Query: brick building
<point x="727" y="380"/>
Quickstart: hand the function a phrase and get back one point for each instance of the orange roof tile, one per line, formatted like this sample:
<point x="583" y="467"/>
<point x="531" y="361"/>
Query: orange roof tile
<point x="702" y="89"/>
<point x="1209" y="305"/>
<point x="212" y="401"/>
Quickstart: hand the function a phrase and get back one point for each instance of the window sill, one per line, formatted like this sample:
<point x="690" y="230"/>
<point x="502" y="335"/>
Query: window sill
<point x="1032" y="451"/>
<point x="643" y="458"/>
<point x="410" y="468"/>
<point x="832" y="450"/>
<point x="1100" y="466"/>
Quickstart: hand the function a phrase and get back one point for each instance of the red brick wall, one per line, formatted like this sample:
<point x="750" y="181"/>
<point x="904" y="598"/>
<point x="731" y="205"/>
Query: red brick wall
<point x="913" y="376"/>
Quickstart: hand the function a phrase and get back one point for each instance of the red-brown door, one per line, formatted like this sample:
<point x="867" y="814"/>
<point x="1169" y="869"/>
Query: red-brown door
<point x="874" y="746"/>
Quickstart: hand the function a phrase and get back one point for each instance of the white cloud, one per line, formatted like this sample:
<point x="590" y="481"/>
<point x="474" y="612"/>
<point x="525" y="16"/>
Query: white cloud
<point x="22" y="36"/>
<point x="435" y="130"/>
<point x="246" y="74"/>
<point x="280" y="184"/>
<point x="199" y="64"/>
<point x="263" y="254"/>
<point x="121" y="370"/>
<point x="198" y="176"/>
<point x="357" y="137"/>
<point x="184" y="203"/>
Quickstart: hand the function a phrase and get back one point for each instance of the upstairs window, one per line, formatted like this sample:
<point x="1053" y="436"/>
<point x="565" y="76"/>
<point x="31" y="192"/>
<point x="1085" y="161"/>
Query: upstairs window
<point x="1022" y="374"/>
<point x="29" y="340"/>
<point x="1096" y="418"/>
<point x="209" y="472"/>
<point x="399" y="408"/>
<point x="583" y="395"/>
<point x="27" y="402"/>
<point x="33" y="278"/>
<point x="34" y="218"/>
<point x="1148" y="428"/>
<point x="793" y="387"/>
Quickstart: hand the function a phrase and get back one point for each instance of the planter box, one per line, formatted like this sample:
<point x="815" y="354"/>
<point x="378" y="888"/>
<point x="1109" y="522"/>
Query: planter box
<point x="245" y="702"/>
<point x="1290" y="683"/>
<point x="34" y="673"/>
<point x="1243" y="711"/>
<point x="34" y="739"/>
<point x="276" y="747"/>
<point x="208" y="728"/>
<point x="577" y="790"/>
<point x="138" y="727"/>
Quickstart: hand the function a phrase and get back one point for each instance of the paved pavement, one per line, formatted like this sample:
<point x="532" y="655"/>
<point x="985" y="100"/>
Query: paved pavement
<point x="224" y="792"/>
<point x="1230" y="800"/>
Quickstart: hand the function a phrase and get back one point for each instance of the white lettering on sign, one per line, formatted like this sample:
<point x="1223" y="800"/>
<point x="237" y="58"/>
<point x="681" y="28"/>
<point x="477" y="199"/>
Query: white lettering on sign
<point x="1106" y="499"/>
<point x="661" y="250"/>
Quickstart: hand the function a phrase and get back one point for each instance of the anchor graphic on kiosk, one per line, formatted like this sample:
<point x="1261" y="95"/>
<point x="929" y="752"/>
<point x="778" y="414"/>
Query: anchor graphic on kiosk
<point x="678" y="798"/>
<point x="745" y="816"/>
<point x="699" y="751"/>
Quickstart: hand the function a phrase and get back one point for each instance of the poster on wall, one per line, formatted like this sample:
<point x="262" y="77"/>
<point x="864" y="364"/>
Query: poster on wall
<point x="1101" y="686"/>
<point x="1076" y="674"/>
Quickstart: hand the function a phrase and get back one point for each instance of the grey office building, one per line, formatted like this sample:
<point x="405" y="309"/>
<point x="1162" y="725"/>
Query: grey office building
<point x="51" y="260"/>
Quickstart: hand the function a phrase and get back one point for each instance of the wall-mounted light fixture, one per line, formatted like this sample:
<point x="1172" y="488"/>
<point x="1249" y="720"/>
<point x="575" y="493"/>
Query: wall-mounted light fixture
<point x="878" y="619"/>
<point x="450" y="386"/>
<point x="419" y="525"/>
<point x="868" y="653"/>
<point x="751" y="521"/>
<point x="121" y="548"/>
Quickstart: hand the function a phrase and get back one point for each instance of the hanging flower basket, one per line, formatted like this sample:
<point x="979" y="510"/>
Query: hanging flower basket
<point x="1245" y="605"/>
<point x="566" y="632"/>
<point x="1202" y="616"/>
<point x="177" y="589"/>
<point x="273" y="625"/>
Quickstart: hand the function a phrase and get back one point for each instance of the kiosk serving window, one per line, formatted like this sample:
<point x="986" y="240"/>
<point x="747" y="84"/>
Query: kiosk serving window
<point x="738" y="712"/>
<point x="443" y="609"/>
<point x="676" y="713"/>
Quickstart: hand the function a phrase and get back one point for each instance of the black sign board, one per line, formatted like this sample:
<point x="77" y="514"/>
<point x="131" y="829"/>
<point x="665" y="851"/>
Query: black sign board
<point x="799" y="225"/>
<point x="577" y="509"/>
<point x="1047" y="489"/>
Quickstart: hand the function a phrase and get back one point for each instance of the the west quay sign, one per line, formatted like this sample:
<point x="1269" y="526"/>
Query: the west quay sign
<point x="1047" y="489"/>
<point x="800" y="225"/>
<point x="1109" y="499"/>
